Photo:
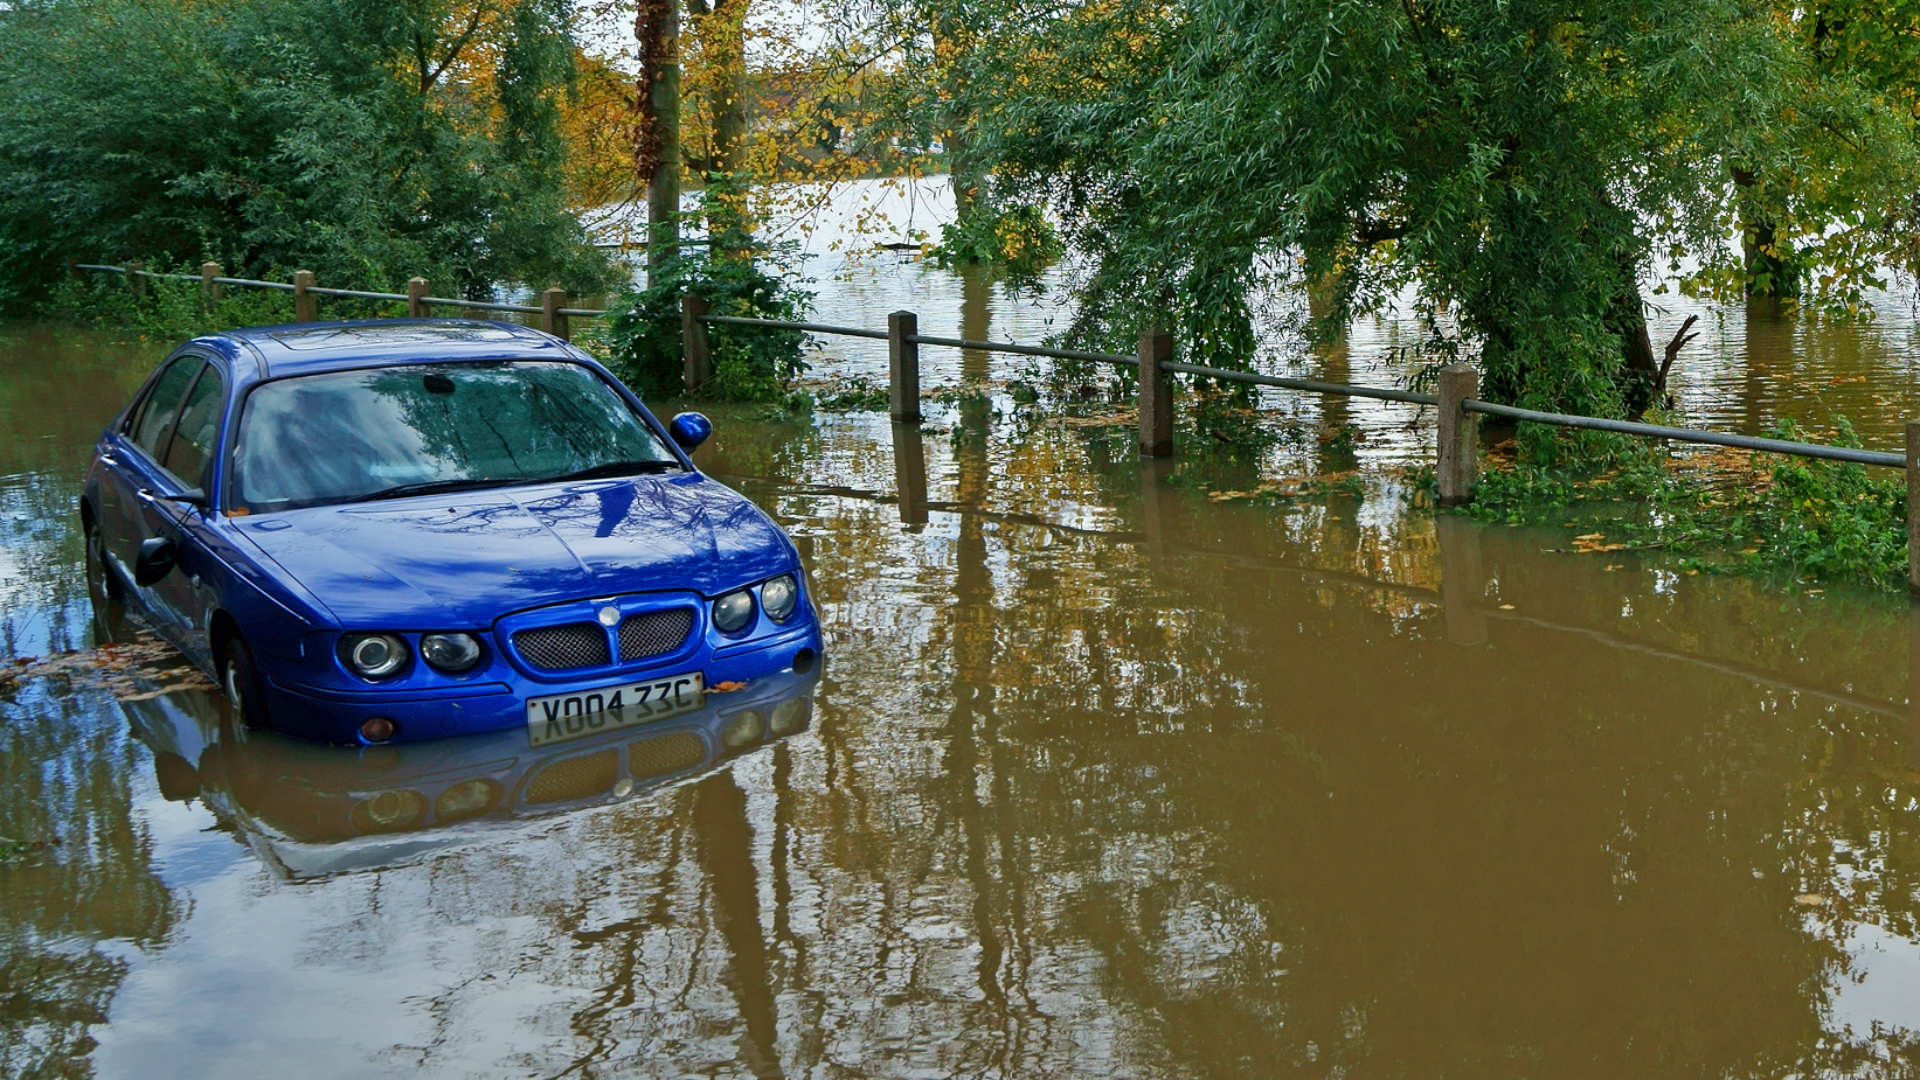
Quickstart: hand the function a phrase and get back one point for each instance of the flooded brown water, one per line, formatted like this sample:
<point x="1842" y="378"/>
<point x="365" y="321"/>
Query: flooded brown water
<point x="1102" y="778"/>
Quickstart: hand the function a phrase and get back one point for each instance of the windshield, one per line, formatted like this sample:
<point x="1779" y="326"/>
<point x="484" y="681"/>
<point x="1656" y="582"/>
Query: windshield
<point x="383" y="432"/>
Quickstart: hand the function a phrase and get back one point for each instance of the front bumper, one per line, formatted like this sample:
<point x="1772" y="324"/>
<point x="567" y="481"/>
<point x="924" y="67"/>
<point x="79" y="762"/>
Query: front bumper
<point x="337" y="715"/>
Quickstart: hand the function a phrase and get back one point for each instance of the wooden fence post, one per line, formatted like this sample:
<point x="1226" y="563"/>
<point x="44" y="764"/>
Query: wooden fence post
<point x="1913" y="507"/>
<point x="417" y="307"/>
<point x="696" y="357"/>
<point x="306" y="305"/>
<point x="551" y="320"/>
<point x="135" y="279"/>
<point x="209" y="288"/>
<point x="1156" y="394"/>
<point x="910" y="473"/>
<point x="903" y="367"/>
<point x="1458" y="460"/>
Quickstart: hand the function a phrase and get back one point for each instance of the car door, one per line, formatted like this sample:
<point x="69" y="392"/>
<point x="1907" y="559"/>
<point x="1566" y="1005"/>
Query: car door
<point x="186" y="466"/>
<point x="131" y="451"/>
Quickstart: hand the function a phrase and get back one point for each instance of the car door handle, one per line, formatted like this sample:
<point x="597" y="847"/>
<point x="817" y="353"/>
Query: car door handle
<point x="146" y="496"/>
<point x="109" y="460"/>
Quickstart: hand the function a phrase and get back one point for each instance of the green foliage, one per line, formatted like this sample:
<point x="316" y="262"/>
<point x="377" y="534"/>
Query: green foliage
<point x="170" y="311"/>
<point x="856" y="394"/>
<point x="332" y="135"/>
<point x="1017" y="238"/>
<point x="749" y="363"/>
<point x="1518" y="168"/>
<point x="1787" y="517"/>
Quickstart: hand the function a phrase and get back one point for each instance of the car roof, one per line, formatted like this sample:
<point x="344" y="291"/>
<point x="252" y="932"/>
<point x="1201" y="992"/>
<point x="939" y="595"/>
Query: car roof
<point x="304" y="348"/>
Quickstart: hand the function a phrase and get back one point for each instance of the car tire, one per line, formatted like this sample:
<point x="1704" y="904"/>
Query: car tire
<point x="101" y="582"/>
<point x="240" y="682"/>
<point x="104" y="591"/>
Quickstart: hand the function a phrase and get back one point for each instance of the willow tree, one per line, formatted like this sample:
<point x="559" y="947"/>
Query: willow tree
<point x="1520" y="164"/>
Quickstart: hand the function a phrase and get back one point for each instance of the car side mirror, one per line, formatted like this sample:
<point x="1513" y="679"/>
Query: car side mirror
<point x="154" y="561"/>
<point x="690" y="429"/>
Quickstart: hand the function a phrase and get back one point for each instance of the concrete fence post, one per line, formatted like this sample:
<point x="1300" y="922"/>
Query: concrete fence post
<point x="209" y="288"/>
<point x="903" y="367"/>
<point x="1458" y="460"/>
<point x="1913" y="507"/>
<point x="136" y="279"/>
<point x="1156" y="394"/>
<point x="417" y="306"/>
<point x="551" y="320"/>
<point x="306" y="304"/>
<point x="694" y="352"/>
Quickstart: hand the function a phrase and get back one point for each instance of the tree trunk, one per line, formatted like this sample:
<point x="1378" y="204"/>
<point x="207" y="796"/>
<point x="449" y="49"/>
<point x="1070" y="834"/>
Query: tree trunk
<point x="656" y="28"/>
<point x="949" y="41"/>
<point x="1627" y="317"/>
<point x="1769" y="271"/>
<point x="726" y="203"/>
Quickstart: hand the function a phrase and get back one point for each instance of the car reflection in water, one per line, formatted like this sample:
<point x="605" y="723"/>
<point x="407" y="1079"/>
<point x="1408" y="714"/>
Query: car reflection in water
<point x="310" y="810"/>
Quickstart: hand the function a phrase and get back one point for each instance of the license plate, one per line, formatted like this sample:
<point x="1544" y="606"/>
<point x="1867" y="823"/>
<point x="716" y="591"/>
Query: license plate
<point x="559" y="717"/>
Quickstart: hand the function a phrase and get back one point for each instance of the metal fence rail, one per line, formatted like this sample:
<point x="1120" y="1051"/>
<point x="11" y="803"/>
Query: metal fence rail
<point x="306" y="294"/>
<point x="1711" y="438"/>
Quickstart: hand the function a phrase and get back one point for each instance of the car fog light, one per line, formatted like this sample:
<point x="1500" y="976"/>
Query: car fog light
<point x="789" y="716"/>
<point x="733" y="611"/>
<point x="743" y="729"/>
<point x="468" y="798"/>
<point x="451" y="653"/>
<point x="375" y="655"/>
<point x="779" y="596"/>
<point x="377" y="729"/>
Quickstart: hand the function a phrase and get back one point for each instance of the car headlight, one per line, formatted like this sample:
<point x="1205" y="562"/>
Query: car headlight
<point x="451" y="653"/>
<point x="733" y="611"/>
<point x="779" y="596"/>
<point x="375" y="656"/>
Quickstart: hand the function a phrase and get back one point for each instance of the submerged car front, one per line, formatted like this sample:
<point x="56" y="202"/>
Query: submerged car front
<point x="500" y="544"/>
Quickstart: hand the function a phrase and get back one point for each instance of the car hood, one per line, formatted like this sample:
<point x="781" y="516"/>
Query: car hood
<point x="464" y="559"/>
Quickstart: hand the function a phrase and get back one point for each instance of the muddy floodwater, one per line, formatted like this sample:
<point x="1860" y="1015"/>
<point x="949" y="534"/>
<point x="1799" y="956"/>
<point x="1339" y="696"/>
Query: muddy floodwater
<point x="1100" y="778"/>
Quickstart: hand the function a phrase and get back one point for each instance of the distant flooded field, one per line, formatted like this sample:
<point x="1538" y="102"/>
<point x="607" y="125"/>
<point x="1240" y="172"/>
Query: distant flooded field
<point x="1100" y="777"/>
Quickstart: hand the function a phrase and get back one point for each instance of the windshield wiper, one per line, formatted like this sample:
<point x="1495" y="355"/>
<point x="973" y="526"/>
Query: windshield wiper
<point x="430" y="487"/>
<point x="612" y="468"/>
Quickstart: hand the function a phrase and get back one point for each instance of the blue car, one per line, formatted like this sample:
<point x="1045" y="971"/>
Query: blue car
<point x="394" y="530"/>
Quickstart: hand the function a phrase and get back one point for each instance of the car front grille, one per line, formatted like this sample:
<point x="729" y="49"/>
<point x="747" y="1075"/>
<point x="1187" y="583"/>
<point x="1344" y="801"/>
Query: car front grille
<point x="558" y="648"/>
<point x="652" y="633"/>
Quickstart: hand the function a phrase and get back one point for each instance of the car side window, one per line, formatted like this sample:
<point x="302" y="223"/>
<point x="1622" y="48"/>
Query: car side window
<point x="192" y="444"/>
<point x="155" y="422"/>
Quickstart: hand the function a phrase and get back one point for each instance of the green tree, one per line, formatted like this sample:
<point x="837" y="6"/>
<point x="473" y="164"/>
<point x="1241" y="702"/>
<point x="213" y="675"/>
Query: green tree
<point x="1525" y="166"/>
<point x="365" y="141"/>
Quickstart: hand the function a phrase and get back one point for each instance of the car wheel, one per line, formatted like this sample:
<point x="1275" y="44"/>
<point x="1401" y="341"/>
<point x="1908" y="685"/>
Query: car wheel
<point x="103" y="589"/>
<point x="240" y="679"/>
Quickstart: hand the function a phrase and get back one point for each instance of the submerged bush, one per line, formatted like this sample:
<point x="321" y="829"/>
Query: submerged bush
<point x="1800" y="518"/>
<point x="1018" y="239"/>
<point x="749" y="363"/>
